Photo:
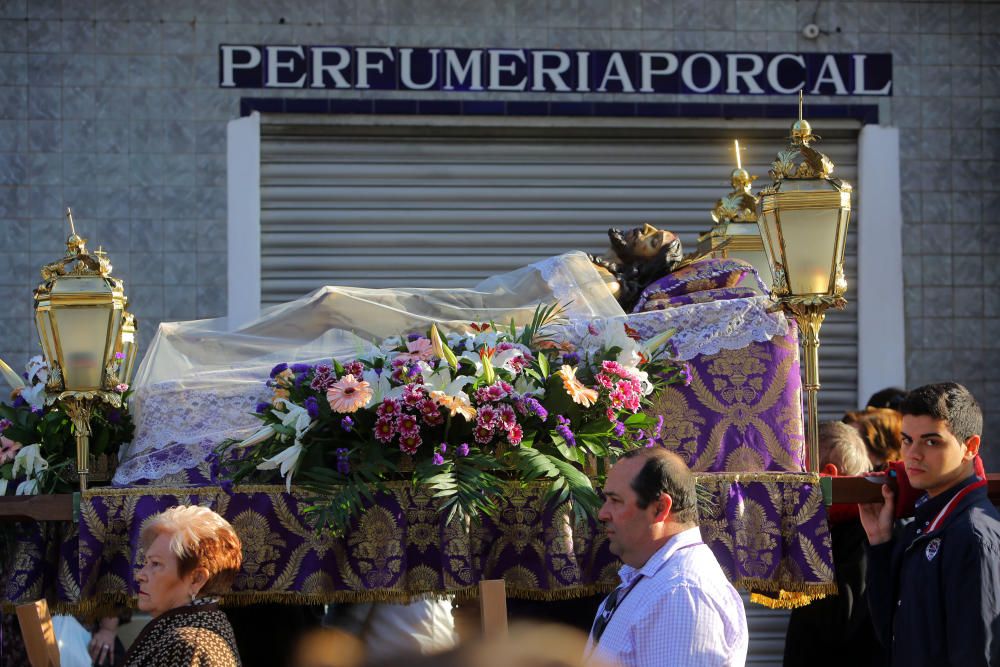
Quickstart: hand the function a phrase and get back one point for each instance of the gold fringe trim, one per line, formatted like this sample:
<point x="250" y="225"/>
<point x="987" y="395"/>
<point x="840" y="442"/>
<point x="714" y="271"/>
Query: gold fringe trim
<point x="794" y="600"/>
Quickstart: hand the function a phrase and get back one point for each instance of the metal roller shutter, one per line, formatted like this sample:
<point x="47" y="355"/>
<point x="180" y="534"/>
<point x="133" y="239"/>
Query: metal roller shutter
<point x="447" y="206"/>
<point x="437" y="207"/>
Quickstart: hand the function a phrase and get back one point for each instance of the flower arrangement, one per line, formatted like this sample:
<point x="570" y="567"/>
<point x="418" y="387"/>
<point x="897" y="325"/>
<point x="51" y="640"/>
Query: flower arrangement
<point x="37" y="445"/>
<point x="457" y="412"/>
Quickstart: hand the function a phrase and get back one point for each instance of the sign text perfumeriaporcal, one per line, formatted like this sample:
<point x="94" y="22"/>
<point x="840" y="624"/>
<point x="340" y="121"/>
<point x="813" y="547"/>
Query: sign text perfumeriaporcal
<point x="551" y="70"/>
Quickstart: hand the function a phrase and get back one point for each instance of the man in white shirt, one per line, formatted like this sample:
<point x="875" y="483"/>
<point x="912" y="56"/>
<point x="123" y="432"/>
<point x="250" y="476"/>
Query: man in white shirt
<point x="674" y="605"/>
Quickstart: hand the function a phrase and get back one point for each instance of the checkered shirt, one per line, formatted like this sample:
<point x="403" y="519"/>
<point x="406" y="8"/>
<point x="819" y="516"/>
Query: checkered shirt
<point x="682" y="611"/>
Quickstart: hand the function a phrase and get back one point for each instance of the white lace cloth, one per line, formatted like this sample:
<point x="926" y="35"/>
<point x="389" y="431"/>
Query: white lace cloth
<point x="178" y="426"/>
<point x="199" y="382"/>
<point x="708" y="328"/>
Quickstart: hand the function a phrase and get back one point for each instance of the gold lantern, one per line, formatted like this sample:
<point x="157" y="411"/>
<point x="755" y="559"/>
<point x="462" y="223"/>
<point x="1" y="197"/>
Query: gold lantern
<point x="86" y="336"/>
<point x="127" y="347"/>
<point x="803" y="217"/>
<point x="736" y="233"/>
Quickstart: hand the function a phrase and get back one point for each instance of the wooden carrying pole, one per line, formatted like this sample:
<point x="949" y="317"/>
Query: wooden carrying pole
<point x="493" y="609"/>
<point x="39" y="636"/>
<point x="849" y="490"/>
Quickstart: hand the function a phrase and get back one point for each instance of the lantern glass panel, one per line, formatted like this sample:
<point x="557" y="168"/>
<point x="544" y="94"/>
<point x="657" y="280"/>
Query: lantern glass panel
<point x="759" y="260"/>
<point x="83" y="334"/>
<point x="810" y="244"/>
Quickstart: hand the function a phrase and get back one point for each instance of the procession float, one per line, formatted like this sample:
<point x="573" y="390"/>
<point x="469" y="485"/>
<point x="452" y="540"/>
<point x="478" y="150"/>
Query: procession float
<point x="391" y="444"/>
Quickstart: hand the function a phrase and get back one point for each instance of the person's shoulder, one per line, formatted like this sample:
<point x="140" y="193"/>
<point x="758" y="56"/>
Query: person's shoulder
<point x="693" y="569"/>
<point x="205" y="646"/>
<point x="977" y="528"/>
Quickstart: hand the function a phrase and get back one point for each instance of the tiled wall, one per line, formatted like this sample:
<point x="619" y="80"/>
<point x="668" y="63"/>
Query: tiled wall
<point x="113" y="108"/>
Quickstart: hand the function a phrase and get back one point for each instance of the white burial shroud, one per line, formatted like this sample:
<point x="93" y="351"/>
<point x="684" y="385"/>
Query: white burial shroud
<point x="199" y="382"/>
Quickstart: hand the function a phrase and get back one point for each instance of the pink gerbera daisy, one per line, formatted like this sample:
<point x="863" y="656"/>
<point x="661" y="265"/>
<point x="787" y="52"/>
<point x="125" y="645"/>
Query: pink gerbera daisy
<point x="348" y="394"/>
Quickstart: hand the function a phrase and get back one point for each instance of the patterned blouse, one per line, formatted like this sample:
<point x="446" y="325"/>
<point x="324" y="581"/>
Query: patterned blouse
<point x="194" y="636"/>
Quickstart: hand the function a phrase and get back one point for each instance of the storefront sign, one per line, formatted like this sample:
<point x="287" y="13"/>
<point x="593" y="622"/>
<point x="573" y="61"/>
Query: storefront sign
<point x="552" y="70"/>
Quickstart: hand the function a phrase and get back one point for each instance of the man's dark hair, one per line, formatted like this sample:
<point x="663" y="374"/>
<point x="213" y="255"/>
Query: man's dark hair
<point x="665" y="472"/>
<point x="890" y="397"/>
<point x="949" y="402"/>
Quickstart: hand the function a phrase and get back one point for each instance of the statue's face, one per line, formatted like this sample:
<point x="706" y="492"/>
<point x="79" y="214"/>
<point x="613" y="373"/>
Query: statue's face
<point x="648" y="242"/>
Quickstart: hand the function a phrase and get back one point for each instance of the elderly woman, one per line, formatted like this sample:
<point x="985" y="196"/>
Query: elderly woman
<point x="192" y="554"/>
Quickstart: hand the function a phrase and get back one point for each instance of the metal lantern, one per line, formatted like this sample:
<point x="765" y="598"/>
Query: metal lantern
<point x="803" y="218"/>
<point x="127" y="347"/>
<point x="80" y="316"/>
<point x="736" y="233"/>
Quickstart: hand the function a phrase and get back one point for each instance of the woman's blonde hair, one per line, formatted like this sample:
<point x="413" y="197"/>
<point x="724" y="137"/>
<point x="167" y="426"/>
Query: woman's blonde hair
<point x="199" y="538"/>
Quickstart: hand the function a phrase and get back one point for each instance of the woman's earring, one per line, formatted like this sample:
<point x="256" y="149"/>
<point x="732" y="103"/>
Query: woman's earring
<point x="192" y="597"/>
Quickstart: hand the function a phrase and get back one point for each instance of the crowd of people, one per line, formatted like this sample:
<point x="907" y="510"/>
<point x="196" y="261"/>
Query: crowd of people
<point x="918" y="574"/>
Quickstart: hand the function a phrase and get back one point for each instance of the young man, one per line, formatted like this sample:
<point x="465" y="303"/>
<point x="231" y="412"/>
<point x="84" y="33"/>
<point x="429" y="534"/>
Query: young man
<point x="674" y="605"/>
<point x="934" y="586"/>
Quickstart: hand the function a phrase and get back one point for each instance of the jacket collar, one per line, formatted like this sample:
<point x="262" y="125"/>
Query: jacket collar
<point x="928" y="508"/>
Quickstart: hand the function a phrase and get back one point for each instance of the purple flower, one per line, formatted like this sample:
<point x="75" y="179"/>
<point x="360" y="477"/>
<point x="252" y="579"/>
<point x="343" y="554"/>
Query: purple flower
<point x="227" y="486"/>
<point x="444" y="448"/>
<point x="36" y="410"/>
<point x="262" y="407"/>
<point x="571" y="358"/>
<point x="343" y="464"/>
<point x="659" y="426"/>
<point x="537" y="408"/>
<point x="463" y="449"/>
<point x="438" y="459"/>
<point x="18" y="402"/>
<point x="114" y="416"/>
<point x="347" y="423"/>
<point x="119" y="355"/>
<point x="686" y="374"/>
<point x="280" y="368"/>
<point x="312" y="407"/>
<point x="619" y="429"/>
<point x="5" y="424"/>
<point x="301" y="368"/>
<point x="323" y="378"/>
<point x="413" y="337"/>
<point x="563" y="429"/>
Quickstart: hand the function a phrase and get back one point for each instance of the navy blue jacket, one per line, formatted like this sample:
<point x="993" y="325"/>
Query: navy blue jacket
<point x="935" y="597"/>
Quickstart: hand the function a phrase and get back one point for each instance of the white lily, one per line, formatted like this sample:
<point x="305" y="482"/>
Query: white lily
<point x="37" y="368"/>
<point x="295" y="416"/>
<point x="287" y="460"/>
<point x="34" y="395"/>
<point x="27" y="488"/>
<point x="475" y="360"/>
<point x="12" y="378"/>
<point x="441" y="380"/>
<point x="380" y="386"/>
<point x="526" y="385"/>
<point x="260" y="436"/>
<point x="3" y="487"/>
<point x="30" y="460"/>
